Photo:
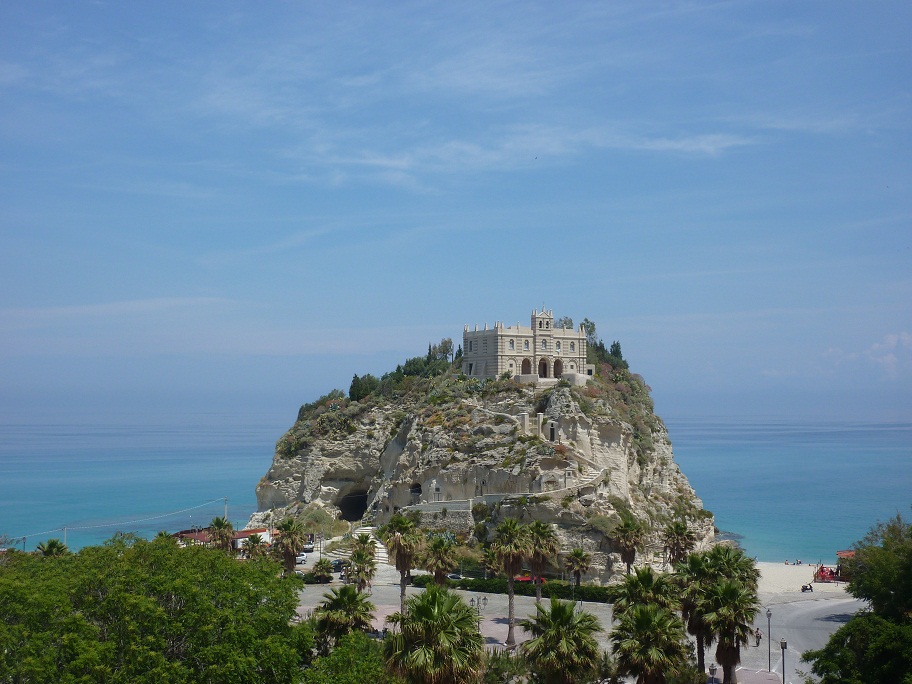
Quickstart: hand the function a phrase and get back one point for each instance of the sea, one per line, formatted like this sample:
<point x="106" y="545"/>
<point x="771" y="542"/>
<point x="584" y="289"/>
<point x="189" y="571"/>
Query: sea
<point x="783" y="490"/>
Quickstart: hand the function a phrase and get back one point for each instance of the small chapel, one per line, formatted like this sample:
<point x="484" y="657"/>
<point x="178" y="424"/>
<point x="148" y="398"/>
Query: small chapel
<point x="538" y="354"/>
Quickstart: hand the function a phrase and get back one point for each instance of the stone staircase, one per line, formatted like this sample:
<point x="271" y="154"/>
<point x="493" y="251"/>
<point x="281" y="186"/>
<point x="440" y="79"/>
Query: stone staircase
<point x="380" y="553"/>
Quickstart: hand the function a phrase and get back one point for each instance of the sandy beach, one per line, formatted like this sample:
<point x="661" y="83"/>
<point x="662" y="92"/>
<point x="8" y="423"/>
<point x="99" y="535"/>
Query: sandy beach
<point x="781" y="583"/>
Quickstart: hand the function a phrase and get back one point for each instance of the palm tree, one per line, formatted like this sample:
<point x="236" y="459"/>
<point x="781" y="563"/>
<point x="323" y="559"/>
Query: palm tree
<point x="628" y="538"/>
<point x="649" y="643"/>
<point x="543" y="547"/>
<point x="363" y="568"/>
<point x="577" y="562"/>
<point x="512" y="548"/>
<point x="221" y="533"/>
<point x="678" y="541"/>
<point x="322" y="570"/>
<point x="164" y="535"/>
<point x="730" y="610"/>
<point x="563" y="649"/>
<point x="438" y="641"/>
<point x="489" y="561"/>
<point x="692" y="576"/>
<point x="727" y="561"/>
<point x="440" y="557"/>
<point x="644" y="586"/>
<point x="254" y="545"/>
<point x="365" y="542"/>
<point x="402" y="541"/>
<point x="343" y="610"/>
<point x="52" y="547"/>
<point x="291" y="540"/>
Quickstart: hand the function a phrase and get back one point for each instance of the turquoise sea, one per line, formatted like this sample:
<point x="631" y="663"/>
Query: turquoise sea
<point x="98" y="479"/>
<point x="784" y="490"/>
<point x="789" y="490"/>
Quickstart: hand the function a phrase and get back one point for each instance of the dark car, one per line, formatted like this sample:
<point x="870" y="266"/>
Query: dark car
<point x="338" y="564"/>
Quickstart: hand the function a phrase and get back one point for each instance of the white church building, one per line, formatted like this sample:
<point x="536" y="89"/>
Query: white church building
<point x="535" y="354"/>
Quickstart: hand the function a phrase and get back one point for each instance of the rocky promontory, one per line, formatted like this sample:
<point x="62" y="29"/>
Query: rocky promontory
<point x="469" y="452"/>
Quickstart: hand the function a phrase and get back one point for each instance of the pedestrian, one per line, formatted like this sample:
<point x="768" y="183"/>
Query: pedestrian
<point x="759" y="636"/>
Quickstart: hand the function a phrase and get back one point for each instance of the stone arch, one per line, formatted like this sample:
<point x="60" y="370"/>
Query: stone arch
<point x="526" y="367"/>
<point x="415" y="489"/>
<point x="543" y="368"/>
<point x="558" y="368"/>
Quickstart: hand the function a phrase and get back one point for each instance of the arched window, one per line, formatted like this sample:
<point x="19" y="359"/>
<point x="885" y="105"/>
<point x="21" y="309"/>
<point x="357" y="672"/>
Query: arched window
<point x="526" y="345"/>
<point x="547" y="324"/>
<point x="539" y="324"/>
<point x="512" y="345"/>
<point x="544" y="344"/>
<point x="573" y="346"/>
<point x="557" y="345"/>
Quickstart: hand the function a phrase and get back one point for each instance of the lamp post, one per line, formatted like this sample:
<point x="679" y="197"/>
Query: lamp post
<point x="478" y="605"/>
<point x="783" y="646"/>
<point x="769" y="640"/>
<point x="712" y="673"/>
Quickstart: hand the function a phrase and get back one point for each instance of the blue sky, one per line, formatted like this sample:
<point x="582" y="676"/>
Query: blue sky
<point x="228" y="206"/>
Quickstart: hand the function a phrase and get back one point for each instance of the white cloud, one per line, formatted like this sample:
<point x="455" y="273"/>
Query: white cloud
<point x="893" y="354"/>
<point x="20" y="318"/>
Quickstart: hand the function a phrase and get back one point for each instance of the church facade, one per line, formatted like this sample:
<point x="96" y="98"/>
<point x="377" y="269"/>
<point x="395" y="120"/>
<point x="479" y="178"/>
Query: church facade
<point x="529" y="354"/>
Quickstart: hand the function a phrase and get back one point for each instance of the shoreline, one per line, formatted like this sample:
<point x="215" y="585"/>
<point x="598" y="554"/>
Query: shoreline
<point x="781" y="583"/>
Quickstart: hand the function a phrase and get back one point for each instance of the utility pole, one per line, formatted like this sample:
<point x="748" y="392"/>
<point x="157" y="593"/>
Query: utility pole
<point x="226" y="508"/>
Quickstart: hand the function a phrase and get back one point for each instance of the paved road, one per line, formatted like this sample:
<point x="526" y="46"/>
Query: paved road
<point x="805" y="623"/>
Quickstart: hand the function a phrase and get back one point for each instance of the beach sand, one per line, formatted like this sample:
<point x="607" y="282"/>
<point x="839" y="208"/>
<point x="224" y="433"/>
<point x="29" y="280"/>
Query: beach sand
<point x="781" y="583"/>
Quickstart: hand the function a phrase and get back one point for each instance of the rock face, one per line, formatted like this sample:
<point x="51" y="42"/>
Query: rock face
<point x="464" y="451"/>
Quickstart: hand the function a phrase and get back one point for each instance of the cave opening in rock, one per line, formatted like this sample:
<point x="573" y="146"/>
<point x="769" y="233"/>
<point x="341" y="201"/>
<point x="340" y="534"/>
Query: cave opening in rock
<point x="353" y="505"/>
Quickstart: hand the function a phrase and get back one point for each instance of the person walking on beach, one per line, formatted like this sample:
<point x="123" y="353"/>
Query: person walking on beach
<point x="759" y="636"/>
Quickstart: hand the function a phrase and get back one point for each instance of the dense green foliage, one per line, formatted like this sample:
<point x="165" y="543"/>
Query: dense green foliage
<point x="874" y="646"/>
<point x="437" y="641"/>
<point x="356" y="659"/>
<point x="563" y="649"/>
<point x="139" y="611"/>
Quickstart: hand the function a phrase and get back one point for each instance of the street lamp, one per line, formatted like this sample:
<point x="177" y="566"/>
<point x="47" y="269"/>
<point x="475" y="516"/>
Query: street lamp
<point x="712" y="673"/>
<point x="783" y="646"/>
<point x="478" y="605"/>
<point x="769" y="641"/>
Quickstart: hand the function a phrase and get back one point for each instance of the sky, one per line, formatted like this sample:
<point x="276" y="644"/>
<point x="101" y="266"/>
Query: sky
<point x="234" y="207"/>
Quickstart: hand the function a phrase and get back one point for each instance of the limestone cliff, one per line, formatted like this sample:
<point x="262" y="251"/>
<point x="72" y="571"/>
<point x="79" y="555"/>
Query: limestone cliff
<point x="464" y="451"/>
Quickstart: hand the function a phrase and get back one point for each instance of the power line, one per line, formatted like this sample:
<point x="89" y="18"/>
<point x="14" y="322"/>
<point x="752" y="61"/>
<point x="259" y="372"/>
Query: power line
<point x="116" y="524"/>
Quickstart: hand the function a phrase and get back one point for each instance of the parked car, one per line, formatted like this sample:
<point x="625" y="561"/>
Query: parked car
<point x="301" y="558"/>
<point x="308" y="548"/>
<point x="454" y="576"/>
<point x="338" y="564"/>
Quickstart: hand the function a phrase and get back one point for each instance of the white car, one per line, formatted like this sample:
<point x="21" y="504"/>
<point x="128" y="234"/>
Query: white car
<point x="301" y="558"/>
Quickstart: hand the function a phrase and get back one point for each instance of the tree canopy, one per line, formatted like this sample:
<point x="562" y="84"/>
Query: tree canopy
<point x="875" y="645"/>
<point x="148" y="611"/>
